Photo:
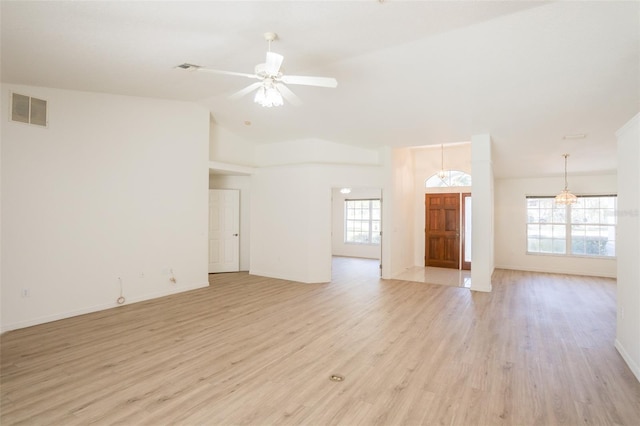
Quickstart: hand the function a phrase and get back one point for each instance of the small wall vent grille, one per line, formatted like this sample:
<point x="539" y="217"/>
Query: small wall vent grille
<point x="25" y="109"/>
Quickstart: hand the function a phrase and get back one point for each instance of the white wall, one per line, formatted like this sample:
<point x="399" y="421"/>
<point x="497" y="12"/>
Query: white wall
<point x="291" y="218"/>
<point x="242" y="184"/>
<point x="628" y="245"/>
<point x="115" y="187"/>
<point x="227" y="147"/>
<point x="339" y="247"/>
<point x="317" y="151"/>
<point x="398" y="212"/>
<point x="511" y="225"/>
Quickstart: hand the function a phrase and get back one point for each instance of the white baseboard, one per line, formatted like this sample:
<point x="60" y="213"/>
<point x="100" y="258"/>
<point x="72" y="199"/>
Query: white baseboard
<point x="484" y="289"/>
<point x="554" y="271"/>
<point x="635" y="369"/>
<point x="96" y="308"/>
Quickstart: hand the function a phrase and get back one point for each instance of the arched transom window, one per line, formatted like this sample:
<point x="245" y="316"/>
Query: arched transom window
<point x="448" y="178"/>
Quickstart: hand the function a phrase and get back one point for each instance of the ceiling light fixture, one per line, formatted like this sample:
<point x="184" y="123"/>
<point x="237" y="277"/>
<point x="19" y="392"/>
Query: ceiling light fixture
<point x="565" y="197"/>
<point x="442" y="173"/>
<point x="268" y="95"/>
<point x="345" y="191"/>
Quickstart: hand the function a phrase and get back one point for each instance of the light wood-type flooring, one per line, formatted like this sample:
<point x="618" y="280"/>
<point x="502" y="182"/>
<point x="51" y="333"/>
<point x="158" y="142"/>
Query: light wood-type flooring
<point x="248" y="350"/>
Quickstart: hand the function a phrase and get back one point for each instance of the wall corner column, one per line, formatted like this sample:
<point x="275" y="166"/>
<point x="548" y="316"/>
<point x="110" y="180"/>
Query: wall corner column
<point x="628" y="245"/>
<point x="482" y="221"/>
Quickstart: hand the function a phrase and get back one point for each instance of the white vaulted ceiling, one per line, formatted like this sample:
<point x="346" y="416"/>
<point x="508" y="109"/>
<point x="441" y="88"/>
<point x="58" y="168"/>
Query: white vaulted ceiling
<point x="409" y="72"/>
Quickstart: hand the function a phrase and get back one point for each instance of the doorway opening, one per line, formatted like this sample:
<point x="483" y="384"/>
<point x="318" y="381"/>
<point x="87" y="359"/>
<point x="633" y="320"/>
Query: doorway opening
<point x="356" y="227"/>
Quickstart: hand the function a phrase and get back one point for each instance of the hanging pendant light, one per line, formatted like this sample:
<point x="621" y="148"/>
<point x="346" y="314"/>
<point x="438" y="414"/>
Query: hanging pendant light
<point x="565" y="197"/>
<point x="442" y="173"/>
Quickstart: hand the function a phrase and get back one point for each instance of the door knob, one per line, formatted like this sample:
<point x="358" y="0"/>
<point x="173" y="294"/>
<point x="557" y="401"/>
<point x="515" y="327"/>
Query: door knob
<point x="235" y="235"/>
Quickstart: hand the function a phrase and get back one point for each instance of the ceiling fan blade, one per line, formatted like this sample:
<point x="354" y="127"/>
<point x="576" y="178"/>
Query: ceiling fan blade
<point x="239" y="74"/>
<point x="246" y="90"/>
<point x="288" y="94"/>
<point x="310" y="81"/>
<point x="273" y="62"/>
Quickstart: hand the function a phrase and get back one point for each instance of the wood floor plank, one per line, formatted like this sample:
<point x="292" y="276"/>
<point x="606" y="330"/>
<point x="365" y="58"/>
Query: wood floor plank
<point x="251" y="350"/>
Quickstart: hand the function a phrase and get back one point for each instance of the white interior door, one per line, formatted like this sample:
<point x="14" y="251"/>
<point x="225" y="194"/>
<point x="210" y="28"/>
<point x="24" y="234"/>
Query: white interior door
<point x="224" y="230"/>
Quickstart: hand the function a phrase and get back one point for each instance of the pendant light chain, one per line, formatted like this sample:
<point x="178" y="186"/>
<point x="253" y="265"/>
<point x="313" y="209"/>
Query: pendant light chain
<point x="566" y="184"/>
<point x="442" y="173"/>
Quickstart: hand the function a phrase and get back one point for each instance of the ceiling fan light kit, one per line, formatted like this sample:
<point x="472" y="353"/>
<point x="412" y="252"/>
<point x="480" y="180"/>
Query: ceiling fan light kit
<point x="271" y="89"/>
<point x="268" y="97"/>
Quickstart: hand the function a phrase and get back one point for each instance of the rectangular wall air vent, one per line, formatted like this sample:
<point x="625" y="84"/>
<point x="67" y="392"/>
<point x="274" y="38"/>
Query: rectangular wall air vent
<point x="25" y="109"/>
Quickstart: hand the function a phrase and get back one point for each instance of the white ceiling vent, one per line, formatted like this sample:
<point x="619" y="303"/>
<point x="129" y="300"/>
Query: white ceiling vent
<point x="25" y="109"/>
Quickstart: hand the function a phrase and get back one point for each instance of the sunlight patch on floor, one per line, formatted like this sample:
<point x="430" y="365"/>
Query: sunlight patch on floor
<point x="442" y="276"/>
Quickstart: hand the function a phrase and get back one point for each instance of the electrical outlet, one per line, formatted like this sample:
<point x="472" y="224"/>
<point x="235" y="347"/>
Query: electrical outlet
<point x="26" y="292"/>
<point x="621" y="312"/>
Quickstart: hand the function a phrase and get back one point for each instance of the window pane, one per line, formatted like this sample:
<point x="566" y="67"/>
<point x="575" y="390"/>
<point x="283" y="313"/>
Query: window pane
<point x="559" y="231"/>
<point x="608" y="216"/>
<point x="546" y="245"/>
<point x="375" y="232"/>
<point x="607" y="202"/>
<point x="560" y="215"/>
<point x="578" y="215"/>
<point x="546" y="231"/>
<point x="591" y="202"/>
<point x="547" y="203"/>
<point x="592" y="215"/>
<point x="546" y="215"/>
<point x="559" y="246"/>
<point x="352" y="213"/>
<point x="610" y="248"/>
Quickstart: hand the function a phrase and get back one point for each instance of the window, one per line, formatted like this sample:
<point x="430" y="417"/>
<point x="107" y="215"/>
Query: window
<point x="362" y="221"/>
<point x="586" y="228"/>
<point x="450" y="178"/>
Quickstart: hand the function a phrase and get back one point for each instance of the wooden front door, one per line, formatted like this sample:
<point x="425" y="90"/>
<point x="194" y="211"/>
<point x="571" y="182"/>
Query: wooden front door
<point x="442" y="230"/>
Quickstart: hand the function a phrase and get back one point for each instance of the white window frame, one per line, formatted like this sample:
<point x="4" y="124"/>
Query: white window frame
<point x="562" y="227"/>
<point x="371" y="231"/>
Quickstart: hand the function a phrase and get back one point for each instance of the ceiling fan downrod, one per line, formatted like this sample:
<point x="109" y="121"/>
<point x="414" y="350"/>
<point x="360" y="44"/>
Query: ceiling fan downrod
<point x="270" y="37"/>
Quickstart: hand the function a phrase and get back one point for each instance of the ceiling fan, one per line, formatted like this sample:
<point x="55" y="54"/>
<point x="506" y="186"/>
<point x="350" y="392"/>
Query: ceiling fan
<point x="271" y="85"/>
